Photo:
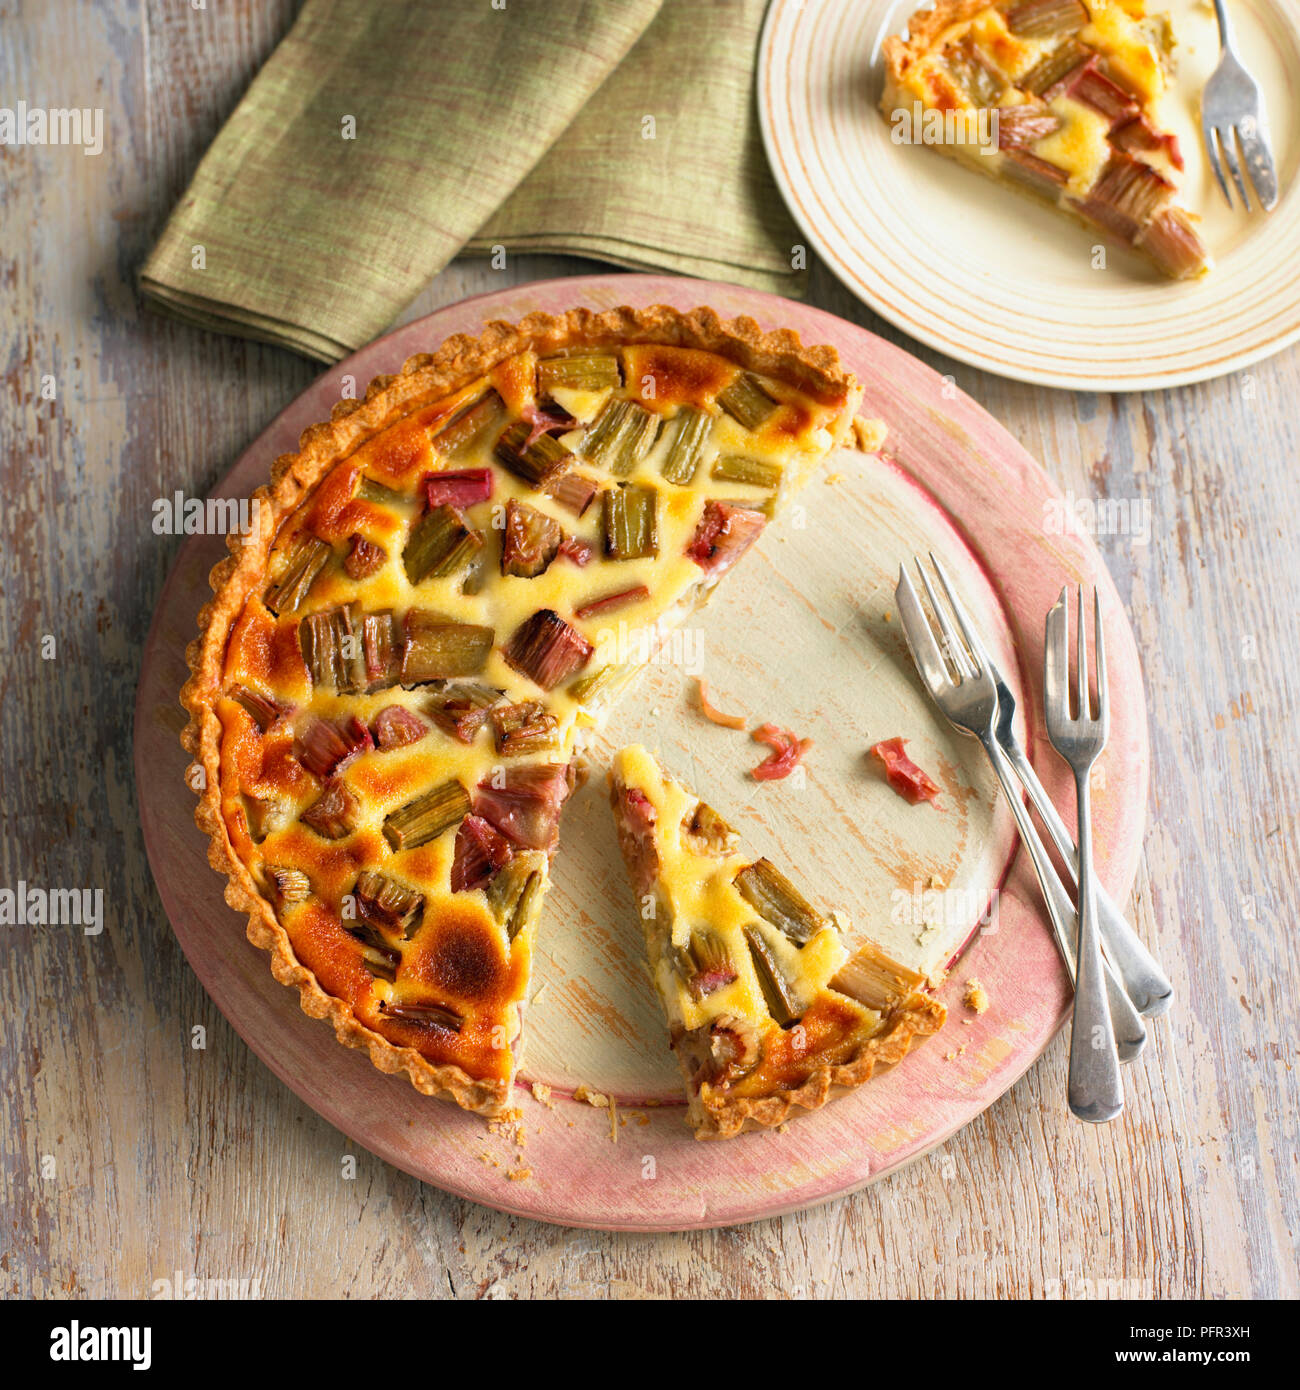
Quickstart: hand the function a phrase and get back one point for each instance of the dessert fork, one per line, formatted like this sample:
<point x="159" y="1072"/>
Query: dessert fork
<point x="1144" y="981"/>
<point x="1095" y="1090"/>
<point x="959" y="681"/>
<point x="1232" y="110"/>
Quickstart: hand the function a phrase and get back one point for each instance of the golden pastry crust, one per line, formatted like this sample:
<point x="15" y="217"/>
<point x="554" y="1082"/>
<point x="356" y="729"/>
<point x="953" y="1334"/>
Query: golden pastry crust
<point x="909" y="1021"/>
<point x="924" y="30"/>
<point x="423" y="381"/>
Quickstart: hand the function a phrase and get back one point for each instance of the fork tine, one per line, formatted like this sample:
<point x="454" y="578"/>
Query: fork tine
<point x="957" y="654"/>
<point x="1056" y="655"/>
<point x="1259" y="164"/>
<point x="1084" y="710"/>
<point x="920" y="635"/>
<point x="1228" y="140"/>
<point x="1211" y="149"/>
<point x="973" y="643"/>
<point x="1103" y="710"/>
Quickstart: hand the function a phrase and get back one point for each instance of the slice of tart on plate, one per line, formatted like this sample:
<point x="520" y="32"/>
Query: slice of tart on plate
<point x="768" y="1013"/>
<point x="445" y="588"/>
<point x="1059" y="99"/>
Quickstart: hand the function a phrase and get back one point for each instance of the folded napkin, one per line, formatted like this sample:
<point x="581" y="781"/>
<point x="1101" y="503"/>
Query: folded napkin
<point x="381" y="139"/>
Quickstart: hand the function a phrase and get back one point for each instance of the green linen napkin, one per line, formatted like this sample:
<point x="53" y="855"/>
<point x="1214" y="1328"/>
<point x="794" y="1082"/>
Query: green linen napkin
<point x="664" y="167"/>
<point x="381" y="139"/>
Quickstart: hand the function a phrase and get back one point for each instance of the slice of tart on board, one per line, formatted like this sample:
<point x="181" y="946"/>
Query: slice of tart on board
<point x="1056" y="98"/>
<point x="768" y="1013"/>
<point x="445" y="588"/>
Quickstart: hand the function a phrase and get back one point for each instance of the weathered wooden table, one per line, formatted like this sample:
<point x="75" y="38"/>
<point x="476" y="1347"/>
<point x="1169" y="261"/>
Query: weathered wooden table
<point x="128" y="1155"/>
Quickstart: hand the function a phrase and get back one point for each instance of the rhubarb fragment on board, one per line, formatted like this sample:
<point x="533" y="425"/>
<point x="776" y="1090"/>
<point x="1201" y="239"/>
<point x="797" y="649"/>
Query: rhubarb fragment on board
<point x="908" y="780"/>
<point x="787" y="753"/>
<point x="712" y="713"/>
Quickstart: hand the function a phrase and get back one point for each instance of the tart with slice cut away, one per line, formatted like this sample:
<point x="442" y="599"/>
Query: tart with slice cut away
<point x="1075" y="87"/>
<point x="446" y="586"/>
<point x="768" y="1014"/>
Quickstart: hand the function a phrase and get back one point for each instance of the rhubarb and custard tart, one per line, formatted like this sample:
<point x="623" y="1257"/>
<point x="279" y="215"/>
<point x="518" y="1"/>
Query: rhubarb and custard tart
<point x="1059" y="99"/>
<point x="445" y="588"/>
<point x="768" y="1013"/>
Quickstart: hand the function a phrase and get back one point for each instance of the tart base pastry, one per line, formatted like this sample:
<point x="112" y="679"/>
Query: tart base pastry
<point x="768" y="1015"/>
<point x="1058" y="99"/>
<point x="446" y="586"/>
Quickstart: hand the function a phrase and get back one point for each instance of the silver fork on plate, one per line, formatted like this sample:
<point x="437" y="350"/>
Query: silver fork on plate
<point x="958" y="676"/>
<point x="1232" y="110"/>
<point x="1096" y="1091"/>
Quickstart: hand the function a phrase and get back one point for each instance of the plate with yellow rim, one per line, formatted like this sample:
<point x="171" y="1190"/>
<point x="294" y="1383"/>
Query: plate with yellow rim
<point x="996" y="280"/>
<point x="803" y="634"/>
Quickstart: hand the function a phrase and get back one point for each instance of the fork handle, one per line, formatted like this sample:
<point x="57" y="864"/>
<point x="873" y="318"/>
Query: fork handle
<point x="1144" y="980"/>
<point x="1130" y="1034"/>
<point x="1095" y="1089"/>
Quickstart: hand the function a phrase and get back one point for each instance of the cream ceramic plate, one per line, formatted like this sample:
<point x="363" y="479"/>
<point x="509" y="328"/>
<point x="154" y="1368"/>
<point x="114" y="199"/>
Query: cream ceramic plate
<point x="992" y="278"/>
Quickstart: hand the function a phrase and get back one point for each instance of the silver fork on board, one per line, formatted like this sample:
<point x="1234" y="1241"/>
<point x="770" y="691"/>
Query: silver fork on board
<point x="1095" y="1090"/>
<point x="962" y="686"/>
<point x="1232" y="111"/>
<point x="1145" y="982"/>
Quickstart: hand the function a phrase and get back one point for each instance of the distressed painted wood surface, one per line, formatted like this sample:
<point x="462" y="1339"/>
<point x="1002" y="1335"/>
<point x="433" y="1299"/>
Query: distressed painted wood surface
<point x="129" y="1156"/>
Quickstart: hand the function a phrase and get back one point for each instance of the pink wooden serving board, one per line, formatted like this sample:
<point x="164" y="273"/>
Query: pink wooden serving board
<point x="976" y="496"/>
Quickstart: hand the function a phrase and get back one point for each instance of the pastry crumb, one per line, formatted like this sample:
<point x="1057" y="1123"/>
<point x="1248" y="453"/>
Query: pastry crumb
<point x="510" y="1126"/>
<point x="519" y="1174"/>
<point x="952" y="1056"/>
<point x="868" y="435"/>
<point x="976" y="996"/>
<point x="833" y="478"/>
<point x="598" y="1100"/>
<point x="542" y="1094"/>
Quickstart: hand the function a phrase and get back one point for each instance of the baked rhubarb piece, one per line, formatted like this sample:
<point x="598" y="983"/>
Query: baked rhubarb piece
<point x="768" y="1014"/>
<point x="396" y="672"/>
<point x="1056" y="98"/>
